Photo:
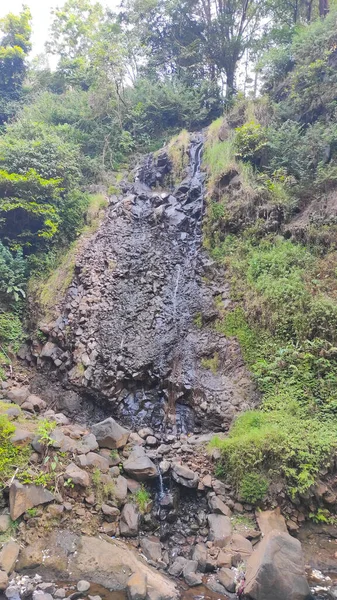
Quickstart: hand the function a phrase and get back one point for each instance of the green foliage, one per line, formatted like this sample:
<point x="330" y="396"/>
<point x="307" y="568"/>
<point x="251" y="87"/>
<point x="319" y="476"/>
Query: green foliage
<point x="11" y="333"/>
<point x="45" y="428"/>
<point x="253" y="488"/>
<point x="142" y="498"/>
<point x="251" y="142"/>
<point x="14" y="47"/>
<point x="11" y="457"/>
<point x="13" y="275"/>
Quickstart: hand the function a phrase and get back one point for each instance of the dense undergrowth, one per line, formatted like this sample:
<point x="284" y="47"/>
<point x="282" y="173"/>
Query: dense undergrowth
<point x="268" y="161"/>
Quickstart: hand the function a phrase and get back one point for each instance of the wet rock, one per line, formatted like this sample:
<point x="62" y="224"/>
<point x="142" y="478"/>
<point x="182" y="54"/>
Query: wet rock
<point x="276" y="570"/>
<point x="164" y="466"/>
<point x="137" y="586"/>
<point x="220" y="530"/>
<point x="8" y="556"/>
<point x="78" y="476"/>
<point x="227" y="579"/>
<point x="151" y="547"/>
<point x="270" y="520"/>
<point x="83" y="586"/>
<point x="185" y="476"/>
<point x="129" y="522"/>
<point x="217" y="506"/>
<point x="3" y="580"/>
<point x="24" y="497"/>
<point x="109" y="434"/>
<point x="5" y="523"/>
<point x="178" y="566"/>
<point x="216" y="587"/>
<point x="139" y="466"/>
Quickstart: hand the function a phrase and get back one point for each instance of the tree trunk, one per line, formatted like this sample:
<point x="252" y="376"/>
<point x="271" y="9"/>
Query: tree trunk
<point x="323" y="7"/>
<point x="230" y="83"/>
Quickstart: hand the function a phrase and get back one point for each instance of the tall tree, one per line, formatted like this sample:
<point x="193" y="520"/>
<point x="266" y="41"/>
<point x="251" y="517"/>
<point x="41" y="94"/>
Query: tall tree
<point x="14" y="47"/>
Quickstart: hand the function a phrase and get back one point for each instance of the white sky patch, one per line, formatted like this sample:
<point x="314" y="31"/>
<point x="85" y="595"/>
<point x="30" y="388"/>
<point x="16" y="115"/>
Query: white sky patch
<point x="41" y="11"/>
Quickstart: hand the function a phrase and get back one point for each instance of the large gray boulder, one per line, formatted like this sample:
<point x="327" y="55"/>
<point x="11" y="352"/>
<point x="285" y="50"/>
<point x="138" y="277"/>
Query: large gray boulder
<point x="185" y="476"/>
<point x="220" y="530"/>
<point x="110" y="435"/>
<point x="129" y="523"/>
<point x="276" y="570"/>
<point x="139" y="466"/>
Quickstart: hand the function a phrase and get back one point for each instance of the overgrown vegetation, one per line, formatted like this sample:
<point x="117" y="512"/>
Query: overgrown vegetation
<point x="267" y="161"/>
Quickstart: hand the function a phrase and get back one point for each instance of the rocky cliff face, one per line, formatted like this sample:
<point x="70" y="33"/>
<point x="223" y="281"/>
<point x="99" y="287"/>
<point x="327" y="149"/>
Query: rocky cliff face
<point x="135" y="332"/>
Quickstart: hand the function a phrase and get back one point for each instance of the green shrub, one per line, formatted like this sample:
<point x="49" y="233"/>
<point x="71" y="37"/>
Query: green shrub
<point x="251" y="143"/>
<point x="253" y="488"/>
<point x="11" y="333"/>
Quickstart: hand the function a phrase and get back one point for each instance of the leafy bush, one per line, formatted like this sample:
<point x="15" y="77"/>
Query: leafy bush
<point x="251" y="142"/>
<point x="11" y="333"/>
<point x="253" y="488"/>
<point x="13" y="275"/>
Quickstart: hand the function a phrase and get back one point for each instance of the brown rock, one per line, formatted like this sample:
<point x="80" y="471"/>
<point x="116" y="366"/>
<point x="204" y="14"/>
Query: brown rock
<point x="18" y="395"/>
<point x="94" y="460"/>
<point x="270" y="520"/>
<point x="224" y="559"/>
<point x="24" y="497"/>
<point x="8" y="556"/>
<point x="77" y="475"/>
<point x="227" y="579"/>
<point x="21" y="437"/>
<point x="111" y="512"/>
<point x="3" y="580"/>
<point x="136" y="587"/>
<point x="139" y="466"/>
<point x="5" y="523"/>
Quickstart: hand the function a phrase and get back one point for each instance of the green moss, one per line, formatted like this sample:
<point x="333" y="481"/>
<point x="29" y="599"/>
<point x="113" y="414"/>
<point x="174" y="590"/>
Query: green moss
<point x="12" y="458"/>
<point x="211" y="363"/>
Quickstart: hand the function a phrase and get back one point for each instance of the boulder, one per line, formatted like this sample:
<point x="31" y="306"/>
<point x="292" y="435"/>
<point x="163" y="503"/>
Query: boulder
<point x="111" y="513"/>
<point x="21" y="437"/>
<point x="77" y="475"/>
<point x="3" y="580"/>
<point x="121" y="489"/>
<point x="8" y="556"/>
<point x="37" y="402"/>
<point x="139" y="466"/>
<point x="276" y="570"/>
<point x="200" y="555"/>
<point x="109" y="434"/>
<point x="220" y="530"/>
<point x="94" y="460"/>
<point x="269" y="520"/>
<point x="18" y="395"/>
<point x="239" y="547"/>
<point x="5" y="523"/>
<point x="23" y="497"/>
<point x="107" y="562"/>
<point x="217" y="506"/>
<point x="219" y="487"/>
<point x="151" y="548"/>
<point x="227" y="579"/>
<point x="177" y="566"/>
<point x="87" y="444"/>
<point x="185" y="476"/>
<point x="136" y="586"/>
<point x="129" y="523"/>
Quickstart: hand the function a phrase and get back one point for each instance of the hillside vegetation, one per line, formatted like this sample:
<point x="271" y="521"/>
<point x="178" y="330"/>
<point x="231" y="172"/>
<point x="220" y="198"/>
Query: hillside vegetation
<point x="272" y="166"/>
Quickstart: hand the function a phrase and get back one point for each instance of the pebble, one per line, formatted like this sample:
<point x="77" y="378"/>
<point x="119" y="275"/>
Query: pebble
<point x="83" y="586"/>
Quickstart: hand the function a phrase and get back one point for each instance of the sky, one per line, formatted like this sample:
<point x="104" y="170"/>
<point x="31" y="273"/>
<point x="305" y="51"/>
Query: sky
<point x="41" y="16"/>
